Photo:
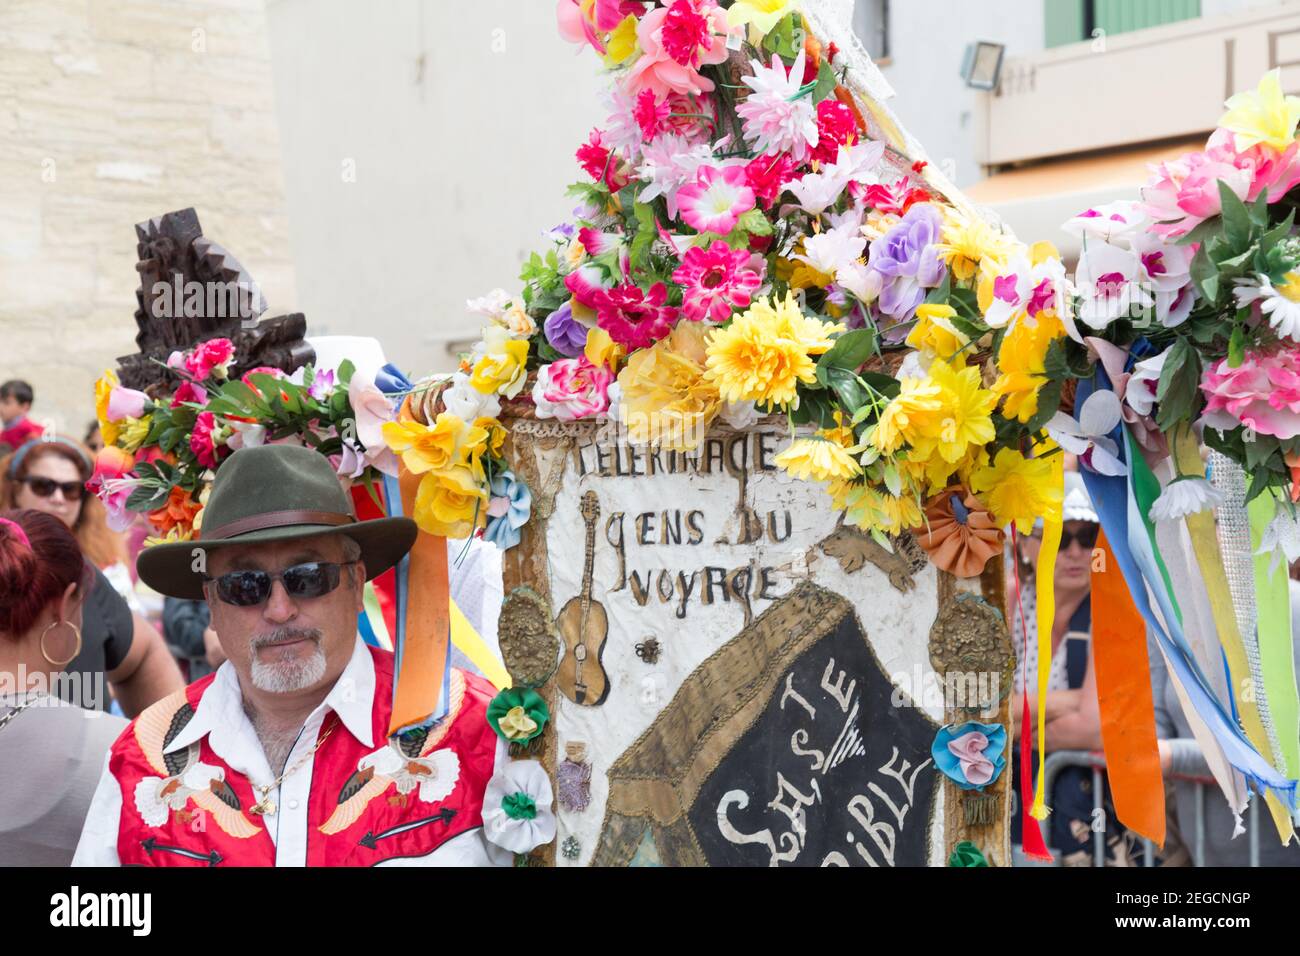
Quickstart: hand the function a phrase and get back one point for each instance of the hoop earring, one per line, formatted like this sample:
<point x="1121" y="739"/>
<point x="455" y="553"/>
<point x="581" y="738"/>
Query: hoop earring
<point x="51" y="661"/>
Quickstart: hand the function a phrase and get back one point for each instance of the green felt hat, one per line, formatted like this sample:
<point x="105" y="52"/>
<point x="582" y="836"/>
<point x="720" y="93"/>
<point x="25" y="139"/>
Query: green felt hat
<point x="273" y="493"/>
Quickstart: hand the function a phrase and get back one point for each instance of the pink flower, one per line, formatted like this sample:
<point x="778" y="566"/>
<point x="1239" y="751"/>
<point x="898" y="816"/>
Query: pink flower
<point x="895" y="199"/>
<point x="570" y="389"/>
<point x="189" y="392"/>
<point x="581" y="21"/>
<point x="210" y="358"/>
<point x="371" y="408"/>
<point x="777" y="119"/>
<point x="113" y="482"/>
<point x="587" y="283"/>
<point x="658" y="69"/>
<point x="633" y="317"/>
<point x="1263" y="393"/>
<point x="600" y="164"/>
<point x="1185" y="191"/>
<point x="125" y="403"/>
<point x="203" y="441"/>
<point x="1271" y="171"/>
<point x="836" y="127"/>
<point x="767" y="176"/>
<point x="716" y="200"/>
<point x="716" y="281"/>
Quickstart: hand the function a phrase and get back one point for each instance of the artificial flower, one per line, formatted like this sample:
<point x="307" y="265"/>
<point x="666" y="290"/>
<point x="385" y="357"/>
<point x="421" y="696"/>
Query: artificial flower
<point x="1262" y="393"/>
<point x="1111" y="222"/>
<point x="675" y="42"/>
<point x="1183" y="496"/>
<point x="371" y="409"/>
<point x="767" y="175"/>
<point x="133" y="432"/>
<point x="585" y="21"/>
<point x="918" y="402"/>
<point x="446" y="444"/>
<point x="836" y="127"/>
<point x="971" y="755"/>
<point x="601" y="164"/>
<point x="1263" y="115"/>
<point x="818" y="458"/>
<point x="112" y="481"/>
<point x="776" y="119"/>
<point x="895" y="198"/>
<point x="828" y="252"/>
<point x="450" y="503"/>
<point x="206" y="440"/>
<point x="1022" y="365"/>
<point x="509" y="507"/>
<point x="587" y="283"/>
<point x="566" y="334"/>
<point x="767" y="351"/>
<point x="517" y="814"/>
<point x="635" y="317"/>
<point x="501" y="366"/>
<point x="491" y="306"/>
<point x="959" y="534"/>
<point x="716" y="281"/>
<point x="908" y="262"/>
<point x="1017" y="489"/>
<point x="463" y="400"/>
<point x="177" y="514"/>
<point x="1165" y="271"/>
<point x="126" y="403"/>
<point x="669" y="163"/>
<point x="934" y="332"/>
<point x="601" y="350"/>
<point x="1185" y="192"/>
<point x="1031" y="282"/>
<point x="1089" y="437"/>
<point x="1108" y="281"/>
<point x="1281" y="539"/>
<point x="666" y="400"/>
<point x="964" y="415"/>
<point x="762" y="15"/>
<point x="104" y="385"/>
<point x="518" y="714"/>
<point x="570" y="389"/>
<point x="716" y="200"/>
<point x="190" y="393"/>
<point x="969" y="243"/>
<point x="872" y="509"/>
<point x="1140" y="393"/>
<point x="1279" y="303"/>
<point x="210" y="359"/>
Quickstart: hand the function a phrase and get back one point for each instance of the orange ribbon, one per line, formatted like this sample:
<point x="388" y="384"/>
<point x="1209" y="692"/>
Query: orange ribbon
<point x="1128" y="720"/>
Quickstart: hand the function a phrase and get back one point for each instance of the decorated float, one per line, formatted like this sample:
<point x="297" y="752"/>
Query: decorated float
<point x="753" y="431"/>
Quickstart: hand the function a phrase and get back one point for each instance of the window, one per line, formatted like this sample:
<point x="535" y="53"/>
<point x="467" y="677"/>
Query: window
<point x="1069" y="21"/>
<point x="871" y="23"/>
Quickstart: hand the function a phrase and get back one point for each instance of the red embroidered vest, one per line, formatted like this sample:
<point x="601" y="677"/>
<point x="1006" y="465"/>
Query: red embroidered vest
<point x="400" y="798"/>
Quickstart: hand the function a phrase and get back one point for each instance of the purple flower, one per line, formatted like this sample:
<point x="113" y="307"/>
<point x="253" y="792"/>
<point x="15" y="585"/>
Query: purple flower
<point x="906" y="261"/>
<point x="566" y="334"/>
<point x="322" y="384"/>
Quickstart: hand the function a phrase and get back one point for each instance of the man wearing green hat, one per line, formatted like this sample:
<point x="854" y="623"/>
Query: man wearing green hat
<point x="281" y="757"/>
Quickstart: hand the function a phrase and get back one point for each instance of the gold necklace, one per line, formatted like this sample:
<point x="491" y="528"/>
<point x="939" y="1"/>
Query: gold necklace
<point x="264" y="805"/>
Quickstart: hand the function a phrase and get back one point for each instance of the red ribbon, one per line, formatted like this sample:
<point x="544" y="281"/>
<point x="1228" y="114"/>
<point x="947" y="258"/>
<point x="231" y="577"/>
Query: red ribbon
<point x="1031" y="837"/>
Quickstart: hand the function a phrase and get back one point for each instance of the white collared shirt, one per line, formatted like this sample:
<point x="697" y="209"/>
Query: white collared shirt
<point x="221" y="718"/>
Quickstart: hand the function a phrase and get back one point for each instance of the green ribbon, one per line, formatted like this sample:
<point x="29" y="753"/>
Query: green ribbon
<point x="519" y="806"/>
<point x="1273" y="622"/>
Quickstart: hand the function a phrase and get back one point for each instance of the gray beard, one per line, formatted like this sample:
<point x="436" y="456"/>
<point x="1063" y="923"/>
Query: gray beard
<point x="284" y="677"/>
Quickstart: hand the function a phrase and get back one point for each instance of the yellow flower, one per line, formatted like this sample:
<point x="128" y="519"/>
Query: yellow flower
<point x="964" y="418"/>
<point x="496" y="435"/>
<point x="622" y="41"/>
<point x="516" y="320"/>
<point x="869" y="508"/>
<point x="1263" y="115"/>
<point x="173" y="535"/>
<point x="818" y="458"/>
<point x="104" y="386"/>
<point x="132" y="432"/>
<point x="666" y="398"/>
<point x="1017" y="489"/>
<point x="762" y="14"/>
<point x="448" y="443"/>
<point x="516" y="724"/>
<point x="969" y="243"/>
<point x="501" y="368"/>
<point x="765" y="352"/>
<point x="934" y="333"/>
<point x="905" y="414"/>
<point x="450" y="503"/>
<point x="879" y="223"/>
<point x="1021" y="364"/>
<point x="603" y="350"/>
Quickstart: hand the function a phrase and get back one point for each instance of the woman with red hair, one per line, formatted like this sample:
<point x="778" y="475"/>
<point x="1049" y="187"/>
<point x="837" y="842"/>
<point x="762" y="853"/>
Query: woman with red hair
<point x="51" y="752"/>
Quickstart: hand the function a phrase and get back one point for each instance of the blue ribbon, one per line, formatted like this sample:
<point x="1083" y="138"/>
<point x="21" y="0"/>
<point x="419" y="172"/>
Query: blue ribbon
<point x="391" y="381"/>
<point x="1116" y="505"/>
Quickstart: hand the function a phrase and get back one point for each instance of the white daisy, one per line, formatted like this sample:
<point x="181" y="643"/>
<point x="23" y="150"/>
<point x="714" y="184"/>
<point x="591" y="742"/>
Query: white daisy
<point x="1281" y="305"/>
<point x="1185" y="495"/>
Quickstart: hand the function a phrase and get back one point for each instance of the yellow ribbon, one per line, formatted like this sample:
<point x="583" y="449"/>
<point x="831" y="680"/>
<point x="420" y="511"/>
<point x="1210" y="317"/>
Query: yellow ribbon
<point x="475" y="648"/>
<point x="1045" y="584"/>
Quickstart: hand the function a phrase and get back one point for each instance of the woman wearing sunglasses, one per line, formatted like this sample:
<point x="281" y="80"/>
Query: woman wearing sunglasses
<point x="44" y="581"/>
<point x="118" y="642"/>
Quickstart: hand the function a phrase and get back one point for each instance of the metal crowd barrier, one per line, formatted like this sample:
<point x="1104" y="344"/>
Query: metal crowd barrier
<point x="1058" y="760"/>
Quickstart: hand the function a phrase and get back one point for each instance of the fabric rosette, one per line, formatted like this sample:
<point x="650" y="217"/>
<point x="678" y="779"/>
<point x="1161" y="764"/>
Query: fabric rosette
<point x="517" y="814"/>
<point x="518" y="714"/>
<point x="966" y="853"/>
<point x="508" y="510"/>
<point x="970" y="754"/>
<point x="961" y="535"/>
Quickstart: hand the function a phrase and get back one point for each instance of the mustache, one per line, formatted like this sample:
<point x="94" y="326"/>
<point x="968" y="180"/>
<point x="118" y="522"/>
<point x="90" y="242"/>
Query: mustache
<point x="286" y="635"/>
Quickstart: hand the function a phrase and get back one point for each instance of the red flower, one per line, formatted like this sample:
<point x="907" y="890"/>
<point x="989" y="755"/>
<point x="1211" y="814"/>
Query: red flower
<point x="715" y="281"/>
<point x="210" y="356"/>
<point x="600" y="165"/>
<point x="633" y="317"/>
<point x="189" y="392"/>
<point x="202" y="441"/>
<point x="685" y="31"/>
<point x="767" y="176"/>
<point x="897" y="198"/>
<point x="836" y="127"/>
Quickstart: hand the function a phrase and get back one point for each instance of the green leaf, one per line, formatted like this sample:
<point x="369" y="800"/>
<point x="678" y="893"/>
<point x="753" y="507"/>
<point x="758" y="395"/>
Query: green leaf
<point x="1179" y="387"/>
<point x="344" y="374"/>
<point x="1259" y="481"/>
<point x="147" y="498"/>
<point x="755" y="223"/>
<point x="1049" y="403"/>
<point x="1258" y="210"/>
<point x="826" y="82"/>
<point x="850" y="350"/>
<point x="1277" y="233"/>
<point x="1201" y="232"/>
<point x="844" y="383"/>
<point x="1236" y="218"/>
<point x="1236" y="347"/>
<point x="1205" y="274"/>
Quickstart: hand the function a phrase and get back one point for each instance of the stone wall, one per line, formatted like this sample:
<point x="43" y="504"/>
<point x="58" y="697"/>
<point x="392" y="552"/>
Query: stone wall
<point x="111" y="113"/>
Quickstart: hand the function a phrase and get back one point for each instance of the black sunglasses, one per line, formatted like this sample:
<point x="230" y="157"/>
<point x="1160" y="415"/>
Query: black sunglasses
<point x="1086" y="536"/>
<point x="249" y="588"/>
<point x="45" y="487"/>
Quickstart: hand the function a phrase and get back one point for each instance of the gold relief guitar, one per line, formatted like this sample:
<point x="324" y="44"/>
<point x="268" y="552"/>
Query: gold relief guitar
<point x="584" y="627"/>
